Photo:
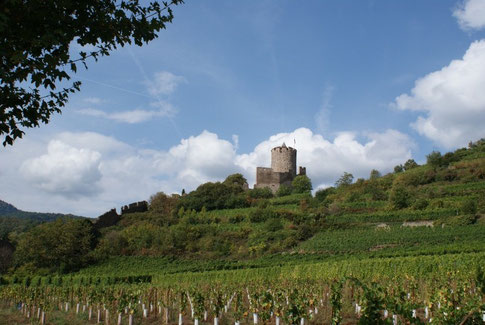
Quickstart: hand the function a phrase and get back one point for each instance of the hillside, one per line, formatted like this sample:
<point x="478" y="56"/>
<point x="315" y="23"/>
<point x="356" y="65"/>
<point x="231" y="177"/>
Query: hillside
<point x="15" y="220"/>
<point x="7" y="208"/>
<point x="433" y="209"/>
<point x="410" y="244"/>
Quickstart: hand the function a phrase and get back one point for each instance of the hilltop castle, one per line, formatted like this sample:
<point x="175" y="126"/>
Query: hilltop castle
<point x="282" y="171"/>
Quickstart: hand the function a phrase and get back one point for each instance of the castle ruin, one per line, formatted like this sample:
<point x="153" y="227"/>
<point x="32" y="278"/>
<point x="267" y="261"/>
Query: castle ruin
<point x="282" y="171"/>
<point x="112" y="217"/>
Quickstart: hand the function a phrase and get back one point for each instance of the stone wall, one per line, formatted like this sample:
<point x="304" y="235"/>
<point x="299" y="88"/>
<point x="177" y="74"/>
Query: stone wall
<point x="266" y="177"/>
<point x="302" y="171"/>
<point x="108" y="219"/>
<point x="141" y="206"/>
<point x="111" y="217"/>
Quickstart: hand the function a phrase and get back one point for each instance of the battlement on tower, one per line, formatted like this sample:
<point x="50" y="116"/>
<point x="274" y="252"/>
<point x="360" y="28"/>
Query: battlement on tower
<point x="283" y="148"/>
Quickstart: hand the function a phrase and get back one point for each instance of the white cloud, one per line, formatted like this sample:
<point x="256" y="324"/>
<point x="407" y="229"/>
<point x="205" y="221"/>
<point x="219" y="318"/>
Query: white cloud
<point x="471" y="14"/>
<point x="452" y="99"/>
<point x="81" y="173"/>
<point x="89" y="173"/>
<point x="64" y="170"/>
<point x="201" y="158"/>
<point x="164" y="83"/>
<point x="94" y="100"/>
<point x="134" y="116"/>
<point x="93" y="112"/>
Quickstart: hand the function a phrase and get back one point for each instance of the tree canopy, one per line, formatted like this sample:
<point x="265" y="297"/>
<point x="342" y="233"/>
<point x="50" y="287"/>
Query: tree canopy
<point x="37" y="57"/>
<point x="301" y="184"/>
<point x="62" y="245"/>
<point x="374" y="174"/>
<point x="410" y="164"/>
<point x="344" y="180"/>
<point x="163" y="203"/>
<point x="214" y="196"/>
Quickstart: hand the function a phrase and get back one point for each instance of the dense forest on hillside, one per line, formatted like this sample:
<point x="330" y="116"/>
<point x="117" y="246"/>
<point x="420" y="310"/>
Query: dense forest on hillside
<point x="18" y="221"/>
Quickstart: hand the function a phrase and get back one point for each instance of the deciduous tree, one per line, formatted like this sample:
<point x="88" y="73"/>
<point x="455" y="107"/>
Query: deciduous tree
<point x="410" y="164"/>
<point x="344" y="180"/>
<point x="301" y="184"/>
<point x="62" y="245"/>
<point x="37" y="56"/>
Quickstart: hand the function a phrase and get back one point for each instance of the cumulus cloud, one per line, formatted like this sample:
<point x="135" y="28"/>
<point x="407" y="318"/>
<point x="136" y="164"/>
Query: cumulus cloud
<point x="164" y="83"/>
<point x="199" y="159"/>
<point x="471" y="14"/>
<point x="452" y="100"/>
<point x="133" y="116"/>
<point x="88" y="173"/>
<point x="65" y="170"/>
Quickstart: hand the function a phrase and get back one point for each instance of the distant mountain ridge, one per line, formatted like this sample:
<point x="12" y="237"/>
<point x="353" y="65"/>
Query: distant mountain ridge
<point x="13" y="219"/>
<point x="7" y="208"/>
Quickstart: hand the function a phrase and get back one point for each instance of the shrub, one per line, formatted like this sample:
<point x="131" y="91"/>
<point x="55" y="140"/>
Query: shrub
<point x="322" y="194"/>
<point x="236" y="219"/>
<point x="162" y="203"/>
<point x="344" y="180"/>
<point x="375" y="191"/>
<point x="301" y="184"/>
<point x="434" y="159"/>
<point x="410" y="164"/>
<point x="448" y="175"/>
<point x="283" y="190"/>
<point x="237" y="201"/>
<point x="273" y="224"/>
<point x="210" y="195"/>
<point x="437" y="204"/>
<point x="400" y="197"/>
<point x="417" y="176"/>
<point x="261" y="214"/>
<point x="237" y="181"/>
<point x="469" y="206"/>
<point x="374" y="174"/>
<point x="421" y="204"/>
<point x="260" y="193"/>
<point x="353" y="196"/>
<point x="304" y="232"/>
<point x="289" y="215"/>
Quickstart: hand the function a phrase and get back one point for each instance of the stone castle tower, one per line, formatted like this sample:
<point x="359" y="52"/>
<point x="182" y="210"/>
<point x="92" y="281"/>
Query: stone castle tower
<point x="283" y="160"/>
<point x="282" y="171"/>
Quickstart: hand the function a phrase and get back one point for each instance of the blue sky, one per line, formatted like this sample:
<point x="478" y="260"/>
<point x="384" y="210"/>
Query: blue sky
<point x="356" y="85"/>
